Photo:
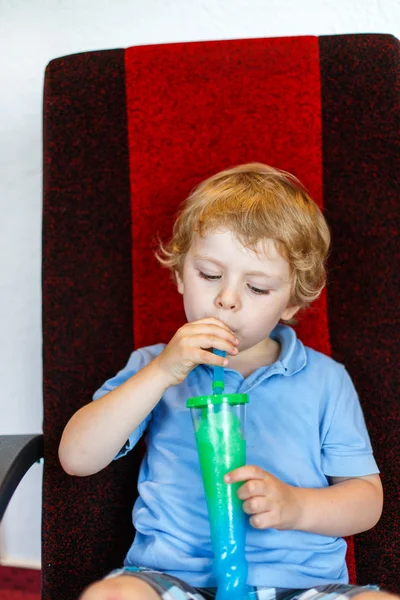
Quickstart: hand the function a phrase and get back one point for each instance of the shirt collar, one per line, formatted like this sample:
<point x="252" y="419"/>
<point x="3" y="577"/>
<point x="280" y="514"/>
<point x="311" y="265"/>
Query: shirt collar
<point x="292" y="357"/>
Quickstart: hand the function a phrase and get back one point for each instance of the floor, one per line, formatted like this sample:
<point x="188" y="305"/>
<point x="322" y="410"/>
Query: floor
<point x="19" y="584"/>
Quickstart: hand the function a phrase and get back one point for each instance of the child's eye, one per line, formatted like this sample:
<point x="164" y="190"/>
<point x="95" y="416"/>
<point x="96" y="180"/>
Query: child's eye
<point x="209" y="277"/>
<point x="258" y="291"/>
<point x="252" y="288"/>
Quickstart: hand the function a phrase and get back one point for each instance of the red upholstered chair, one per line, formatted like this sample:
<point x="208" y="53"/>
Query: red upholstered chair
<point x="127" y="134"/>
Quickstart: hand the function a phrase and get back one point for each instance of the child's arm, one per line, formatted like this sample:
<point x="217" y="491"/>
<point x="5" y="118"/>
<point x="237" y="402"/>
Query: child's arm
<point x="96" y="432"/>
<point x="349" y="506"/>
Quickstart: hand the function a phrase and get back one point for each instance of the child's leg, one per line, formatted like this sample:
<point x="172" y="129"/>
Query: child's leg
<point x="376" y="595"/>
<point x="123" y="587"/>
<point x="334" y="591"/>
<point x="133" y="583"/>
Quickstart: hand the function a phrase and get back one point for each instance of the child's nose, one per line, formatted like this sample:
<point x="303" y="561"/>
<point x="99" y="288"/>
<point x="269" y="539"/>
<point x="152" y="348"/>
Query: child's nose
<point x="228" y="300"/>
<point x="222" y="305"/>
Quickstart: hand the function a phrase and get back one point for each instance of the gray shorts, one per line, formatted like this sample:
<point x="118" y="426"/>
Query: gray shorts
<point x="172" y="588"/>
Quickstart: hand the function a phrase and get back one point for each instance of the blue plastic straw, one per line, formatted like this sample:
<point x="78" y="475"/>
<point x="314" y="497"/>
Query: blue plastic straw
<point x="218" y="384"/>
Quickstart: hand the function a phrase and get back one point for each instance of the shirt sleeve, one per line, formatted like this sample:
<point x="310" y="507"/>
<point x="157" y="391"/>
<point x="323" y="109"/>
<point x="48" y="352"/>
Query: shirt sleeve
<point x="137" y="360"/>
<point x="346" y="447"/>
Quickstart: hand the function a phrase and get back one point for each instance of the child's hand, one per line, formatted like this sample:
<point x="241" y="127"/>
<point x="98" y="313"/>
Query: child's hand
<point x="272" y="502"/>
<point x="188" y="348"/>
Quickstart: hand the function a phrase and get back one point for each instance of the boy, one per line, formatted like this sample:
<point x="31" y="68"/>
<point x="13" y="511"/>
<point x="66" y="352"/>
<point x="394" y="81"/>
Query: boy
<point x="248" y="252"/>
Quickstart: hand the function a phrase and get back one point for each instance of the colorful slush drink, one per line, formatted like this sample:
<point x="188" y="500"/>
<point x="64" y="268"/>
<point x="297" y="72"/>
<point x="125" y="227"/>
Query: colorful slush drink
<point x="218" y="421"/>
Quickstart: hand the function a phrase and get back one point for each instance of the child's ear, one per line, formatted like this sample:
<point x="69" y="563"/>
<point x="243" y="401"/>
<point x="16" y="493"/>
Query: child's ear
<point x="179" y="282"/>
<point x="289" y="312"/>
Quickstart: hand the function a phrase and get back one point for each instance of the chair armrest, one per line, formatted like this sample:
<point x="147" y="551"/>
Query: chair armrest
<point x="17" y="455"/>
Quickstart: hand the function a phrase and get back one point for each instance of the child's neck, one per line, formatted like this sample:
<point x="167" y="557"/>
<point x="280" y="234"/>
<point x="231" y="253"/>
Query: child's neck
<point x="262" y="355"/>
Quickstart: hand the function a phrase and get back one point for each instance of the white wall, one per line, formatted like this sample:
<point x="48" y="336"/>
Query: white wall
<point x="32" y="32"/>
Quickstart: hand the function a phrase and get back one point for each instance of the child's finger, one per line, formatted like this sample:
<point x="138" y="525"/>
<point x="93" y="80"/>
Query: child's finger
<point x="255" y="505"/>
<point x="215" y="321"/>
<point x="264" y="520"/>
<point x="245" y="473"/>
<point x="211" y="329"/>
<point x="213" y="341"/>
<point x="209" y="358"/>
<point x="252" y="487"/>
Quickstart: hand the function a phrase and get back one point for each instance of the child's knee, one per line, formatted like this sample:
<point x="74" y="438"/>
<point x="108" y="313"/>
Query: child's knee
<point x="98" y="590"/>
<point x="124" y="587"/>
<point x="376" y="595"/>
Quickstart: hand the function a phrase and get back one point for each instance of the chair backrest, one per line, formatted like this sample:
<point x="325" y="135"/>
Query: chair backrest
<point x="127" y="134"/>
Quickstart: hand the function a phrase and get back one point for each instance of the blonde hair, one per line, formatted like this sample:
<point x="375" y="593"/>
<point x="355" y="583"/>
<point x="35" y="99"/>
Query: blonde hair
<point x="256" y="201"/>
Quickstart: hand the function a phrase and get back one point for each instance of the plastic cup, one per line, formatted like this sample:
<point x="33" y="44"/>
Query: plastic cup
<point x="219" y="422"/>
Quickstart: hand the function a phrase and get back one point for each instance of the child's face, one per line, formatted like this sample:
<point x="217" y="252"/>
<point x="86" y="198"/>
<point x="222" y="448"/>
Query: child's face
<point x="219" y="280"/>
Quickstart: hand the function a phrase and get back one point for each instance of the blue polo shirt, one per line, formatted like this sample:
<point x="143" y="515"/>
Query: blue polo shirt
<point x="304" y="423"/>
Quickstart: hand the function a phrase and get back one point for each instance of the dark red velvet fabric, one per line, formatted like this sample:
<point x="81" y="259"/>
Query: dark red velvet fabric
<point x="361" y="160"/>
<point x="87" y="309"/>
<point x="19" y="584"/>
<point x="194" y="109"/>
<point x="127" y="134"/>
